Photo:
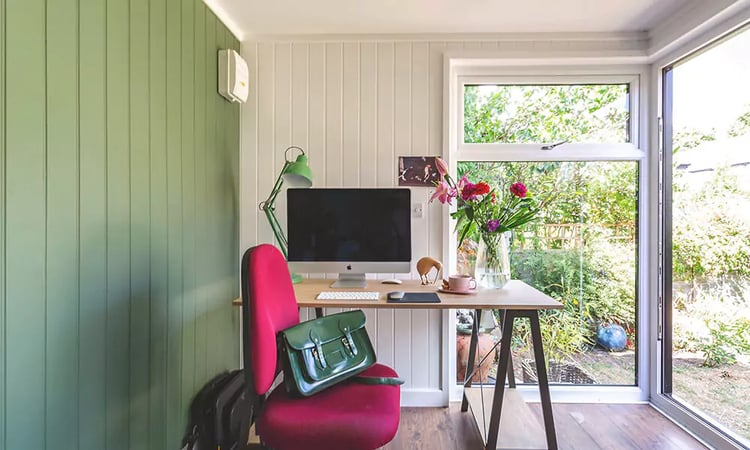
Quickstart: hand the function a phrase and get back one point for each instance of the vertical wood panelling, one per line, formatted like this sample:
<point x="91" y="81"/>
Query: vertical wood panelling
<point x="118" y="224"/>
<point x="93" y="225"/>
<point x="25" y="220"/>
<point x="249" y="195"/>
<point x="114" y="250"/>
<point x="368" y="125"/>
<point x="174" y="219"/>
<point x="316" y="115"/>
<point x="140" y="219"/>
<point x="189" y="238"/>
<point x="253" y="153"/>
<point x="232" y="200"/>
<point x="282" y="118"/>
<point x="62" y="223"/>
<point x="419" y="327"/>
<point x="212" y="103"/>
<point x="368" y="139"/>
<point x="2" y="222"/>
<point x="402" y="129"/>
<point x="215" y="184"/>
<point x="333" y="114"/>
<point x="299" y="95"/>
<point x="201" y="210"/>
<point x="225" y="215"/>
<point x="158" y="228"/>
<point x="350" y="114"/>
<point x="385" y="172"/>
<point x="266" y="145"/>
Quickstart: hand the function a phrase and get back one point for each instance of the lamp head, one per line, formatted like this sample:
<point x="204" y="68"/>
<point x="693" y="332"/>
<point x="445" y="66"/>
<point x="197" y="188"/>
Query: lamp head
<point x="298" y="173"/>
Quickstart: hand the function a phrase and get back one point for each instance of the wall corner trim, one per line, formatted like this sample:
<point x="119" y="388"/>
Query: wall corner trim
<point x="225" y="18"/>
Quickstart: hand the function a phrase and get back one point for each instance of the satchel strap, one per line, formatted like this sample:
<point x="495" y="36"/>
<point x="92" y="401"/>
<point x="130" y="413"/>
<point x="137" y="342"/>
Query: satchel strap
<point x="392" y="381"/>
<point x="347" y="340"/>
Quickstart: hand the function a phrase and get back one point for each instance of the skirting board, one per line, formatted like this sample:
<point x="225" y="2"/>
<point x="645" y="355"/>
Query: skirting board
<point x="423" y="398"/>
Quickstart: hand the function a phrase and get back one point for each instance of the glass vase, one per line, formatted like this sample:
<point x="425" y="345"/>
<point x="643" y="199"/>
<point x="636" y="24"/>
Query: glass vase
<point x="493" y="260"/>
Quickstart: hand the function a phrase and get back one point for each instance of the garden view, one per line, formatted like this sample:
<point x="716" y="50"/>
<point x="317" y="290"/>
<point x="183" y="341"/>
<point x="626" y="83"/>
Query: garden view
<point x="582" y="247"/>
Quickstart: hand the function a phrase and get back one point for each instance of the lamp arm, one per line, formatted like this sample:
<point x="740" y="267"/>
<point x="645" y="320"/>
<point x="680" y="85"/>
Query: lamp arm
<point x="267" y="207"/>
<point x="278" y="232"/>
<point x="276" y="189"/>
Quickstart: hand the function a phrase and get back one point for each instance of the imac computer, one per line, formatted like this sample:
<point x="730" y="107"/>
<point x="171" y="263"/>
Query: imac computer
<point x="349" y="231"/>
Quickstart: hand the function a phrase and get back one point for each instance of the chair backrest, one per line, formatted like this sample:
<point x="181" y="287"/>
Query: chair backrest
<point x="269" y="306"/>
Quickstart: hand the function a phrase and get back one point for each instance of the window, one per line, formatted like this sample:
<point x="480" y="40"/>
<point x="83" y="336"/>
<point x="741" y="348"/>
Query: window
<point x="706" y="225"/>
<point x="508" y="114"/>
<point x="574" y="140"/>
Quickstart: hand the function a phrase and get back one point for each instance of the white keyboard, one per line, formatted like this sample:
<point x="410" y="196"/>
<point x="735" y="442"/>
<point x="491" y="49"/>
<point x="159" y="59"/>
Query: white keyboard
<point x="344" y="295"/>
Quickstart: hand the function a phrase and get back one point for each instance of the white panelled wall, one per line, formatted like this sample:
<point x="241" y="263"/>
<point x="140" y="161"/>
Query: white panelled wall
<point x="355" y="106"/>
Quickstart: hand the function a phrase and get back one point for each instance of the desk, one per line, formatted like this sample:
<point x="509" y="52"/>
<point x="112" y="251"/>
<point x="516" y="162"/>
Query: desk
<point x="515" y="300"/>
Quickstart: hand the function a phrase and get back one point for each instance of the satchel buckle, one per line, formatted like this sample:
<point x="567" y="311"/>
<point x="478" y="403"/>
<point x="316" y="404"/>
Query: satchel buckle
<point x="348" y="347"/>
<point x="317" y="351"/>
<point x="349" y="342"/>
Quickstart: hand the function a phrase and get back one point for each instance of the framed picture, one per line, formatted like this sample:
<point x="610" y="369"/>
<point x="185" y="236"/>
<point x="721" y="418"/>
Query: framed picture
<point x="417" y="171"/>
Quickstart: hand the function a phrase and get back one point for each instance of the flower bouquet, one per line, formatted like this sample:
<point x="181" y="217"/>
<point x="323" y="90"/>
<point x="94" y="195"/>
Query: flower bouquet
<point x="486" y="213"/>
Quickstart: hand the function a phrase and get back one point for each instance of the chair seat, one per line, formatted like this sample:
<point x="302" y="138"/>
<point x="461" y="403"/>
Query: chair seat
<point x="348" y="416"/>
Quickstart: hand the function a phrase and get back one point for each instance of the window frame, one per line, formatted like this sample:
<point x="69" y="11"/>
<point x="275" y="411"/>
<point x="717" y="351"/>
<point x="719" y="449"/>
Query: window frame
<point x="460" y="72"/>
<point x="705" y="427"/>
<point x="584" y="151"/>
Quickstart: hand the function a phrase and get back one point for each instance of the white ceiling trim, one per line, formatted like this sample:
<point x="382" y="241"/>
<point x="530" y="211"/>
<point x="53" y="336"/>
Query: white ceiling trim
<point x="455" y="37"/>
<point x="700" y="21"/>
<point x="226" y="19"/>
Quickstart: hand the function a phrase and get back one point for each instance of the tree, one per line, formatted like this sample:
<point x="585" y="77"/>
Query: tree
<point x="551" y="113"/>
<point x="741" y="125"/>
<point x="687" y="138"/>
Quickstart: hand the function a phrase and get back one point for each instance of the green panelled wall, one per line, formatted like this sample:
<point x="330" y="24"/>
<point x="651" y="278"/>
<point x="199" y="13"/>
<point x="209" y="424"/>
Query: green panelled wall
<point x="119" y="221"/>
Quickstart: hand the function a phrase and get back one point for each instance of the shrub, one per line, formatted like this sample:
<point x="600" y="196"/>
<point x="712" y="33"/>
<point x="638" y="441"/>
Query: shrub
<point x="714" y="320"/>
<point x="595" y="285"/>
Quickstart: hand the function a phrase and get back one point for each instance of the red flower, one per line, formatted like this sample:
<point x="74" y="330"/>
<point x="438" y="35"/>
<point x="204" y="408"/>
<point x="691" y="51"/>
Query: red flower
<point x="482" y="188"/>
<point x="469" y="192"/>
<point x="518" y="189"/>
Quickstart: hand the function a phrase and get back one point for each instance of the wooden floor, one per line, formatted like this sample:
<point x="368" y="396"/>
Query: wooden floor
<point x="579" y="427"/>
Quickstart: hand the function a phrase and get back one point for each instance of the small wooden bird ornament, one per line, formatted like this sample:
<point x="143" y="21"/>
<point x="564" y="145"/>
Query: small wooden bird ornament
<point x="425" y="265"/>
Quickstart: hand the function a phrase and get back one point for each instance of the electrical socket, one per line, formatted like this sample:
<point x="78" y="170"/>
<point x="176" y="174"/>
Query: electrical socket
<point x="417" y="210"/>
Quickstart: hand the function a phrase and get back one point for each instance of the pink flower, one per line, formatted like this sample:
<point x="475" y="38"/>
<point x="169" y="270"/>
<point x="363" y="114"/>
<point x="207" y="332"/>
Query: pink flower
<point x="444" y="192"/>
<point x="493" y="225"/>
<point x="469" y="192"/>
<point x="518" y="189"/>
<point x="441" y="167"/>
<point x="463" y="182"/>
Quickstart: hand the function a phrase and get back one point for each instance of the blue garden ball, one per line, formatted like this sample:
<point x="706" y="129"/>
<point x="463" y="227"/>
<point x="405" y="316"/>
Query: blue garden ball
<point x="612" y="337"/>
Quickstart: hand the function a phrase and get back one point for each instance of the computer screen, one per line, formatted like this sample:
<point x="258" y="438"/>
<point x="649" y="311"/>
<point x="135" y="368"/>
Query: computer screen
<point x="352" y="231"/>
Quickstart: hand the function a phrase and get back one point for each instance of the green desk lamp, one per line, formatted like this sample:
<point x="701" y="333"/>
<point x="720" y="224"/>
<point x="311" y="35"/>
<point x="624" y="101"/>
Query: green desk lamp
<point x="298" y="174"/>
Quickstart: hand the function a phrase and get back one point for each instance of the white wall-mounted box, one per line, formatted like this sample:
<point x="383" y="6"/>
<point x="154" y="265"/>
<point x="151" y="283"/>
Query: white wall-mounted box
<point x="233" y="76"/>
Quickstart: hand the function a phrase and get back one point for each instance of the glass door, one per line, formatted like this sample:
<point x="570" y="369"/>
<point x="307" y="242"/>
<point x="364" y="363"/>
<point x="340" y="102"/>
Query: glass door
<point x="706" y="235"/>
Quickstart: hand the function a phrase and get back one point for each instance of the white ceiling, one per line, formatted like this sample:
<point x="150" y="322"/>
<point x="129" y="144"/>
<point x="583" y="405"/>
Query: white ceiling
<point x="269" y="17"/>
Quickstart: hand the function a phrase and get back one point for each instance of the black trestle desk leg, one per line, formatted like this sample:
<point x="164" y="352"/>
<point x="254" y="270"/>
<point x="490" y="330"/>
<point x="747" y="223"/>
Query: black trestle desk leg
<point x="318" y="313"/>
<point x="541" y="371"/>
<point x="472" y="353"/>
<point x="502" y="367"/>
<point x="511" y="372"/>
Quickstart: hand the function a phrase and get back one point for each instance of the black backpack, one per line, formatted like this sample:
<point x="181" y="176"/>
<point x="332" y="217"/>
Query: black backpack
<point x="220" y="414"/>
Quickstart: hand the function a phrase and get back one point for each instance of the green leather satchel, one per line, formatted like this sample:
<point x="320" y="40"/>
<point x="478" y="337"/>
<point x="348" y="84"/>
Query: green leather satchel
<point x="319" y="353"/>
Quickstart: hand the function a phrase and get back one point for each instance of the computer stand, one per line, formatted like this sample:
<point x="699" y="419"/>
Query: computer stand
<point x="350" y="281"/>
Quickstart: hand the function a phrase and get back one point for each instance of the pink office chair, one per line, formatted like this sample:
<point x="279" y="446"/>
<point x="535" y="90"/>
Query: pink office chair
<point x="348" y="416"/>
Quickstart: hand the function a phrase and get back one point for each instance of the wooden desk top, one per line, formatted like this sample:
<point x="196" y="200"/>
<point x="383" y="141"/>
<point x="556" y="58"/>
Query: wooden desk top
<point x="514" y="295"/>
